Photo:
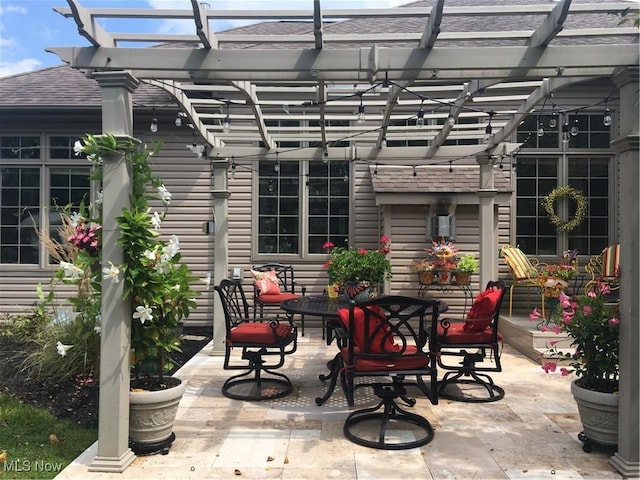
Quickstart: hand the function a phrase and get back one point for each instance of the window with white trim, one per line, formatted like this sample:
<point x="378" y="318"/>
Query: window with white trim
<point x="35" y="184"/>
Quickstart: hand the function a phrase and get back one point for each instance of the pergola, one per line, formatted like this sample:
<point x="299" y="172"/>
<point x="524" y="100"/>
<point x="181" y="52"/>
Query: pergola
<point x="434" y="81"/>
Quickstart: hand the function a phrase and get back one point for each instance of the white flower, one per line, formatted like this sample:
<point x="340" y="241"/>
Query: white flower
<point x="143" y="313"/>
<point x="78" y="147"/>
<point x="111" y="273"/>
<point x="75" y="218"/>
<point x="165" y="194"/>
<point x="99" y="198"/>
<point x="163" y="266"/>
<point x="98" y="327"/>
<point x="71" y="271"/>
<point x="62" y="348"/>
<point x="156" y="221"/>
<point x="150" y="254"/>
<point x="170" y="249"/>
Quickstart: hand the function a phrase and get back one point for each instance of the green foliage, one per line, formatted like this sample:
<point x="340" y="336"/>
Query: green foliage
<point x="349" y="264"/>
<point x="467" y="264"/>
<point x="35" y="444"/>
<point x="594" y="327"/>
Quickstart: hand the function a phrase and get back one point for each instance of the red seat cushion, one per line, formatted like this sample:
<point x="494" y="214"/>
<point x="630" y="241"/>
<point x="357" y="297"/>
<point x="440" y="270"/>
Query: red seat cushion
<point x="277" y="298"/>
<point x="456" y="334"/>
<point x="407" y="361"/>
<point x="483" y="309"/>
<point x="258" y="333"/>
<point x="381" y="342"/>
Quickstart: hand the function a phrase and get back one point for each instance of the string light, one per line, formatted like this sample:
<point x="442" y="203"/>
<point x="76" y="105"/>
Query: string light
<point x="420" y="116"/>
<point x="540" y="128"/>
<point x="383" y="144"/>
<point x="375" y="170"/>
<point x="606" y="119"/>
<point x="226" y="125"/>
<point x="553" y="121"/>
<point x="565" y="130"/>
<point x="154" y="122"/>
<point x="361" y="117"/>
<point x="574" y="128"/>
<point x="451" y="120"/>
<point x="414" y="171"/>
<point x="233" y="167"/>
<point x="489" y="128"/>
<point x="178" y="120"/>
<point x="450" y="166"/>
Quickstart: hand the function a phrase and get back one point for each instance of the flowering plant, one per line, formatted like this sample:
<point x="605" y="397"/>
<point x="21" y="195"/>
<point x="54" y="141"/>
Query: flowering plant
<point x="442" y="255"/>
<point x="593" y="324"/>
<point x="349" y="264"/>
<point x="155" y="281"/>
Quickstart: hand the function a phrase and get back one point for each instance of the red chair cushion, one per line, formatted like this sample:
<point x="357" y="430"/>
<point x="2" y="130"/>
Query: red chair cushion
<point x="277" y="298"/>
<point x="258" y="333"/>
<point x="456" y="334"/>
<point x="266" y="282"/>
<point x="377" y="345"/>
<point x="407" y="361"/>
<point x="483" y="308"/>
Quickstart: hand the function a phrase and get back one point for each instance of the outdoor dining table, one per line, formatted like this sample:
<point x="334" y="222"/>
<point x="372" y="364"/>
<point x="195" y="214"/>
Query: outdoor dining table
<point x="327" y="308"/>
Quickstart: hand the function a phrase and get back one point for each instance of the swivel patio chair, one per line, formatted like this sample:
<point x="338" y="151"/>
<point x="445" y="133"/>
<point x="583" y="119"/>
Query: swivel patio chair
<point x="524" y="272"/>
<point x="389" y="338"/>
<point x="273" y="284"/>
<point x="264" y="343"/>
<point x="604" y="269"/>
<point x="471" y="340"/>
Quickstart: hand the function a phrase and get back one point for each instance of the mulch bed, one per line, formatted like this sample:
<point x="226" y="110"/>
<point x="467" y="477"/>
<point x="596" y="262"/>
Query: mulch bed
<point x="75" y="399"/>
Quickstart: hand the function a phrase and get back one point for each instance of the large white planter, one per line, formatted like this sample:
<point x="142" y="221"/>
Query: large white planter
<point x="598" y="414"/>
<point x="151" y="416"/>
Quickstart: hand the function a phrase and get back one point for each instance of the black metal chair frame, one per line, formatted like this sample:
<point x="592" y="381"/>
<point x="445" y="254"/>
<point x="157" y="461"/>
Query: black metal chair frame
<point x="405" y="320"/>
<point x="236" y="312"/>
<point x="288" y="283"/>
<point x="467" y="372"/>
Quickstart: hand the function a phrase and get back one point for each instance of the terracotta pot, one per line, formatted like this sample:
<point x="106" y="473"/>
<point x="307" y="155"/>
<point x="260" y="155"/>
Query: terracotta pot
<point x="426" y="278"/>
<point x="463" y="278"/>
<point x="445" y="277"/>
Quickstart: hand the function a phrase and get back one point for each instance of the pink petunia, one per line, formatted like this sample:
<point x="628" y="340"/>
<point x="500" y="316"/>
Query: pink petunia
<point x="586" y="310"/>
<point x="543" y="328"/>
<point x="605" y="289"/>
<point x="535" y="314"/>
<point x="328" y="245"/>
<point x="614" y="321"/>
<point x="556" y="329"/>
<point x="565" y="371"/>
<point x="592" y="294"/>
<point x="549" y="367"/>
<point x="384" y="239"/>
<point x="564" y="299"/>
<point x="567" y="316"/>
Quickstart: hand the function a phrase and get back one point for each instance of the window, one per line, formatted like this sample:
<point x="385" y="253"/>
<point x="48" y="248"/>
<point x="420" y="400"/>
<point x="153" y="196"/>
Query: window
<point x="283" y="200"/>
<point x="33" y="190"/>
<point x="538" y="175"/>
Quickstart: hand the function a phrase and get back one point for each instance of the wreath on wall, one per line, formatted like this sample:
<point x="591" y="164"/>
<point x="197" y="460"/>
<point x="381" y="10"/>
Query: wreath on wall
<point x="565" y="192"/>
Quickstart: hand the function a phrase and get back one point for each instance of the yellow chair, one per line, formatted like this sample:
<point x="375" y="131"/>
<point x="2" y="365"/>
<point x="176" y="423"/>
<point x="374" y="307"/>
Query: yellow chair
<point x="604" y="268"/>
<point x="524" y="272"/>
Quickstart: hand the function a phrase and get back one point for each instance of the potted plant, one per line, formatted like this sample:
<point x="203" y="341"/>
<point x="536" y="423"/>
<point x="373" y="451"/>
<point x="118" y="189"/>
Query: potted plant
<point x="357" y="269"/>
<point x="443" y="256"/>
<point x="157" y="283"/>
<point x="593" y="326"/>
<point x="466" y="266"/>
<point x="425" y="270"/>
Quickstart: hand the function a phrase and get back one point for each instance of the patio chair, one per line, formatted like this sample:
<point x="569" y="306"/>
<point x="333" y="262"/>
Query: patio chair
<point x="470" y="340"/>
<point x="604" y="268"/>
<point x="259" y="340"/>
<point x="273" y="284"/>
<point x="524" y="273"/>
<point x="389" y="338"/>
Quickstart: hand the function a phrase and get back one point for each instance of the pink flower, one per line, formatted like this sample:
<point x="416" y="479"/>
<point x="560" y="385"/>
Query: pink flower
<point x="328" y="245"/>
<point x="384" y="239"/>
<point x="535" y="314"/>
<point x="362" y="251"/>
<point x="592" y="294"/>
<point x="549" y="367"/>
<point x="567" y="316"/>
<point x="586" y="310"/>
<point x="556" y="329"/>
<point x="565" y="371"/>
<point x="553" y="343"/>
<point x="605" y="289"/>
<point x="543" y="328"/>
<point x="564" y="300"/>
<point x="614" y="321"/>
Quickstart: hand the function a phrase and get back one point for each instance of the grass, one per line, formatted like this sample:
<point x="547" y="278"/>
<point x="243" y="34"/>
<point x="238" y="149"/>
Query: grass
<point x="34" y="443"/>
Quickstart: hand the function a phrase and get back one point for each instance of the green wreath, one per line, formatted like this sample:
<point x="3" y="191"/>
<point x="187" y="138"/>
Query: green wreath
<point x="568" y="192"/>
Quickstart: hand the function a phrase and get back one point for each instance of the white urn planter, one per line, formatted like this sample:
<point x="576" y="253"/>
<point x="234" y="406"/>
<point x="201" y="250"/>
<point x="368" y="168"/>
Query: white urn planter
<point x="152" y="414"/>
<point x="598" y="415"/>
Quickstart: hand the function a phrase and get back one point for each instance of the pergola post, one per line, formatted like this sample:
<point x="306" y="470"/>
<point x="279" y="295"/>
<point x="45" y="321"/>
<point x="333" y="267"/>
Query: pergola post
<point x="488" y="222"/>
<point x="626" y="460"/>
<point x="114" y="454"/>
<point x="220" y="194"/>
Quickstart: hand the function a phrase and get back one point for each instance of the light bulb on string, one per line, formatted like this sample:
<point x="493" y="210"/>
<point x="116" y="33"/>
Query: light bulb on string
<point x="489" y="129"/>
<point x="226" y="125"/>
<point x="606" y="119"/>
<point x="178" y="120"/>
<point x="154" y="122"/>
<point x="574" y="128"/>
<point x="565" y="131"/>
<point x="451" y="120"/>
<point x="420" y="116"/>
<point x="450" y="166"/>
<point x="361" y="117"/>
<point x="553" y="121"/>
<point x="414" y="171"/>
<point x="540" y="129"/>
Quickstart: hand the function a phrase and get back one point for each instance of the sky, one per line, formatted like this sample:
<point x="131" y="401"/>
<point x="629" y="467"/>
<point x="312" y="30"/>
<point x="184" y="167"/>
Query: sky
<point x="27" y="27"/>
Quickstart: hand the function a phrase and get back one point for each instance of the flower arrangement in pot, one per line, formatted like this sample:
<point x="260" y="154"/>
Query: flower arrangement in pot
<point x="592" y="324"/>
<point x="157" y="283"/>
<point x="443" y="256"/>
<point x="465" y="267"/>
<point x="425" y="270"/>
<point x="555" y="277"/>
<point x="356" y="269"/>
